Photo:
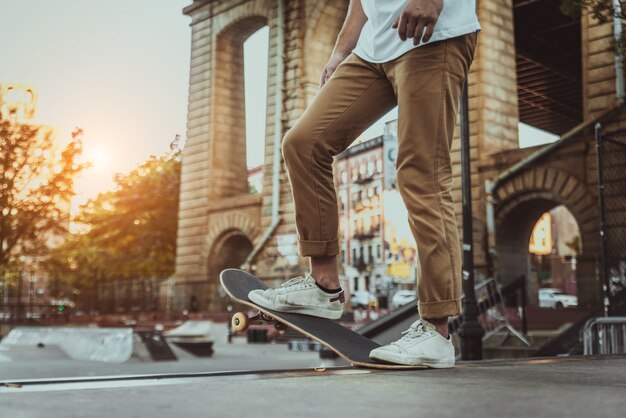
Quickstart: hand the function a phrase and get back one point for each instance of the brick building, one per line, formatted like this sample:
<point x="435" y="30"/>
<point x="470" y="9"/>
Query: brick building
<point x="377" y="250"/>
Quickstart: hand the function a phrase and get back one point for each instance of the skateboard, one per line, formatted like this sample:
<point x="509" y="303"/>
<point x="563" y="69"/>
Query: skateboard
<point x="347" y="344"/>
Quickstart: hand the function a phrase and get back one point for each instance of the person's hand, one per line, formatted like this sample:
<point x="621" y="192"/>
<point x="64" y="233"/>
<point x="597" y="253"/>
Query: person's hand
<point x="330" y="67"/>
<point x="417" y="16"/>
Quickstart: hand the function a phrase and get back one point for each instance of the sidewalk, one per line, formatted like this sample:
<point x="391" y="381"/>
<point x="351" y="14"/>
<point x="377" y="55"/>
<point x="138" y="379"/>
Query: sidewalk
<point x="572" y="387"/>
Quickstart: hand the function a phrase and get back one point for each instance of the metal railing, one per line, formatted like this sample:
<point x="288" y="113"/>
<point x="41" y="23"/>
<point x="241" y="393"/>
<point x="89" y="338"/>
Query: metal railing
<point x="605" y="335"/>
<point x="492" y="312"/>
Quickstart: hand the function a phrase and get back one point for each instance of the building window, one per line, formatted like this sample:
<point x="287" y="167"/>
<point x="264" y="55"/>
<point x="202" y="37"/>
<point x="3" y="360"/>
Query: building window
<point x="344" y="177"/>
<point x="370" y="256"/>
<point x="379" y="165"/>
<point x="370" y="168"/>
<point x="362" y="169"/>
<point x="375" y="220"/>
<point x="378" y="254"/>
<point x="358" y="226"/>
<point x="343" y="256"/>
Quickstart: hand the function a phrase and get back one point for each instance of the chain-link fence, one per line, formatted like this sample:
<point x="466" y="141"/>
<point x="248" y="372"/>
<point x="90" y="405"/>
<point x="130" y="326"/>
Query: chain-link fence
<point x="612" y="182"/>
<point x="20" y="302"/>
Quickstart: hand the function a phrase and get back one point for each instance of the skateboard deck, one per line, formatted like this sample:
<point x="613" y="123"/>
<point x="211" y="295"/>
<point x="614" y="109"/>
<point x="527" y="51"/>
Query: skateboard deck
<point x="349" y="345"/>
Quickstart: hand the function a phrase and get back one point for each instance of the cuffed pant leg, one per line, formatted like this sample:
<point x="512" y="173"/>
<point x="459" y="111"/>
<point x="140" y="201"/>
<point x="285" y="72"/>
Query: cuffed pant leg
<point x="356" y="96"/>
<point x="429" y="81"/>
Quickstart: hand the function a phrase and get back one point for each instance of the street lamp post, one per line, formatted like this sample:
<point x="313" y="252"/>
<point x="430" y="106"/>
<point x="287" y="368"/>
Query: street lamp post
<point x="471" y="332"/>
<point x="606" y="283"/>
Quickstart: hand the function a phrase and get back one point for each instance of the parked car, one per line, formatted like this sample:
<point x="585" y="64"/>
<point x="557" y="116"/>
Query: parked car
<point x="555" y="298"/>
<point x="402" y="297"/>
<point x="361" y="299"/>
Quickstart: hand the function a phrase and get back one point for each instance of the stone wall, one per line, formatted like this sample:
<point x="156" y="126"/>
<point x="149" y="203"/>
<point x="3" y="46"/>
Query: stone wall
<point x="214" y="158"/>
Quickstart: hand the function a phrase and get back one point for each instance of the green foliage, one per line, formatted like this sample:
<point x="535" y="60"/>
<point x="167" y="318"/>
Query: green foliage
<point x="129" y="232"/>
<point x="602" y="10"/>
<point x="36" y="184"/>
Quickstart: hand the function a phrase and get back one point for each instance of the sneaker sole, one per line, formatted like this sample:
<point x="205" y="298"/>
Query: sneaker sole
<point x="405" y="360"/>
<point x="302" y="310"/>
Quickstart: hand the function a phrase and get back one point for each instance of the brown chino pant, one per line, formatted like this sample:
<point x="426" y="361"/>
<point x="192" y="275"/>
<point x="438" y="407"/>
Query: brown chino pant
<point x="426" y="84"/>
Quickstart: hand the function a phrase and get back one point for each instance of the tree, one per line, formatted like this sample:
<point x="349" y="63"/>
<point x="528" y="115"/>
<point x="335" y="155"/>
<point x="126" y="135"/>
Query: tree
<point x="129" y="232"/>
<point x="602" y="10"/>
<point x="36" y="184"/>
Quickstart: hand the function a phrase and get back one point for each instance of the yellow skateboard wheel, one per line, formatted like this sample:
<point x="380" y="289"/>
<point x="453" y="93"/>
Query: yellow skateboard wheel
<point x="240" y="322"/>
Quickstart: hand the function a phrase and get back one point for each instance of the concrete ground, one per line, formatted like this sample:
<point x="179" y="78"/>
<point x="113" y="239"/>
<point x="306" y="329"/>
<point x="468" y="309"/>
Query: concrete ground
<point x="561" y="387"/>
<point x="49" y="362"/>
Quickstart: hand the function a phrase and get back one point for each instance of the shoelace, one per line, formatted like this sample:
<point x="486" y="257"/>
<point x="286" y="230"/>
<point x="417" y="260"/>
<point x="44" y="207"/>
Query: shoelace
<point x="414" y="332"/>
<point x="294" y="282"/>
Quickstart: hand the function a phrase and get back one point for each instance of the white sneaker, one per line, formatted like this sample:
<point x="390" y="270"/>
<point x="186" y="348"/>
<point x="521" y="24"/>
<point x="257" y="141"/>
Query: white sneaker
<point x="421" y="344"/>
<point x="300" y="295"/>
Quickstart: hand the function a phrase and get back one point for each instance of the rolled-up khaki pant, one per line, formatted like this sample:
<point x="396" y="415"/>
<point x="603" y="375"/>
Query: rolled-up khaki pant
<point x="426" y="84"/>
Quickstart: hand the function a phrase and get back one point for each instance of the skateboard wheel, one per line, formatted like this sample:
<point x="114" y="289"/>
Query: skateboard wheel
<point x="240" y="322"/>
<point x="280" y="326"/>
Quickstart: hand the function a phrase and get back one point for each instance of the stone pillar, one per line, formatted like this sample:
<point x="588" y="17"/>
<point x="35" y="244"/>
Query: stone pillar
<point x="214" y="158"/>
<point x="493" y="111"/>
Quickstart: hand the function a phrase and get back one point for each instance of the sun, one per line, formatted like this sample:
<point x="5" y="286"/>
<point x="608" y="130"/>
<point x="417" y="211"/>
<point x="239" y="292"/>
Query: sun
<point x="99" y="158"/>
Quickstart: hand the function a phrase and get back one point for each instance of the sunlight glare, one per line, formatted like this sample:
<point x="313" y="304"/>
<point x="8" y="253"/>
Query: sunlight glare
<point x="98" y="157"/>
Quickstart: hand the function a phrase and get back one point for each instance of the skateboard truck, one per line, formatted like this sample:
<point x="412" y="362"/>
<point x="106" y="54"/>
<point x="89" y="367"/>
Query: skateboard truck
<point x="240" y="321"/>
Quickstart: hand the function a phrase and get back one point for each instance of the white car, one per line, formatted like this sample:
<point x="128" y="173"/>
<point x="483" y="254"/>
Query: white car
<point x="402" y="297"/>
<point x="555" y="298"/>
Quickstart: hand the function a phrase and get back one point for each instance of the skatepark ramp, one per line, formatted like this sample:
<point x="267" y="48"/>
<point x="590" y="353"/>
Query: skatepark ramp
<point x="193" y="336"/>
<point x="571" y="341"/>
<point x="387" y="328"/>
<point x="490" y="299"/>
<point x="110" y="345"/>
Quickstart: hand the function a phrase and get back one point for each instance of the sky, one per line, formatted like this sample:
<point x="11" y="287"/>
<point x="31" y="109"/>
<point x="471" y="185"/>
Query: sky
<point x="119" y="69"/>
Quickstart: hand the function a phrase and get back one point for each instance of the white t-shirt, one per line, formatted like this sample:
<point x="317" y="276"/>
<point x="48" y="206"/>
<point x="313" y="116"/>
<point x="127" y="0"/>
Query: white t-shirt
<point x="379" y="42"/>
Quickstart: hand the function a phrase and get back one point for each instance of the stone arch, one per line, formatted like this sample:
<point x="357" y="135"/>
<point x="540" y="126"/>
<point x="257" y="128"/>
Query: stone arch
<point x="519" y="203"/>
<point x="229" y="222"/>
<point x="560" y="187"/>
<point x="230" y="173"/>
<point x="227" y="244"/>
<point x="229" y="250"/>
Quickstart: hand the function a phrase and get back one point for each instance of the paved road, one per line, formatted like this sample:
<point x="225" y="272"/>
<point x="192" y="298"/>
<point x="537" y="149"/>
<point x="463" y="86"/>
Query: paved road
<point x="571" y="387"/>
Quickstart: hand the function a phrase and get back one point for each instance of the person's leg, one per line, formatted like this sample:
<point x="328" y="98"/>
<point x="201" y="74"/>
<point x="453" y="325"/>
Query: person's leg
<point x="357" y="95"/>
<point x="428" y="81"/>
